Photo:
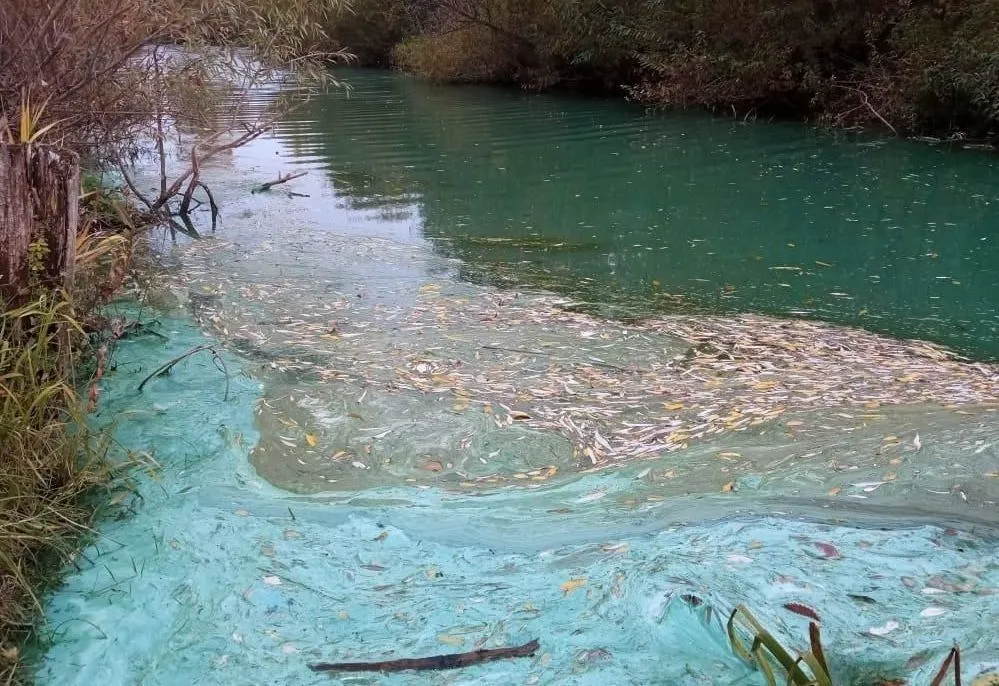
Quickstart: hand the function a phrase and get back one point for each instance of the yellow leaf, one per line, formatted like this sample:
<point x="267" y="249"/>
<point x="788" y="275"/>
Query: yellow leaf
<point x="729" y="487"/>
<point x="430" y="288"/>
<point x="517" y="414"/>
<point x="673" y="406"/>
<point x="451" y="639"/>
<point x="573" y="584"/>
<point x="381" y="537"/>
<point x="729" y="455"/>
<point x="311" y="439"/>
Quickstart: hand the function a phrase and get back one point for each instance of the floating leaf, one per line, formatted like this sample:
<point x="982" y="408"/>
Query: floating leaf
<point x="310" y="439"/>
<point x="828" y="550"/>
<point x="729" y="487"/>
<point x="572" y="585"/>
<point x="884" y="630"/>
<point x="803" y="610"/>
<point x="272" y="580"/>
<point x="451" y="639"/>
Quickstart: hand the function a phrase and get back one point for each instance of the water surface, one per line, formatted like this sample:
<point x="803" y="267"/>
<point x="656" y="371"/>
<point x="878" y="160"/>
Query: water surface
<point x="658" y="212"/>
<point x="399" y="466"/>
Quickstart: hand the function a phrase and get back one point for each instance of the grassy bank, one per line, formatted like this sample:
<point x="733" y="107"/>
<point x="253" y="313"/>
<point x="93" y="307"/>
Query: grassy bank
<point x="929" y="67"/>
<point x="54" y="351"/>
<point x="50" y="465"/>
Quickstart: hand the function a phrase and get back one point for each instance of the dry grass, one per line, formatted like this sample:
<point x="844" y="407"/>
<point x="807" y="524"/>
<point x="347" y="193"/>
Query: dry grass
<point x="48" y="464"/>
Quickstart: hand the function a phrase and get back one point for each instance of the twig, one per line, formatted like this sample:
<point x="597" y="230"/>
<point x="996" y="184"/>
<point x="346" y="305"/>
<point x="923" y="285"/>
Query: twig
<point x="216" y="358"/>
<point x="954" y="656"/>
<point x="453" y="661"/>
<point x="866" y="101"/>
<point x="279" y="180"/>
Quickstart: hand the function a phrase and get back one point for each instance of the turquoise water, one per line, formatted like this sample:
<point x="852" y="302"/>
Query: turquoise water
<point x="663" y="212"/>
<point x="344" y="503"/>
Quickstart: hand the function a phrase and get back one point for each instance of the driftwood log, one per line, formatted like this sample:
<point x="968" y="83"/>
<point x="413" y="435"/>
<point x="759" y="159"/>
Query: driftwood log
<point x="452" y="661"/>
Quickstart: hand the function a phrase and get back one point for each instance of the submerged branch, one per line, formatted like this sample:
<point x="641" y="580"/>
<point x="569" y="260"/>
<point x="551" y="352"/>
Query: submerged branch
<point x="216" y="359"/>
<point x="453" y="661"/>
<point x="279" y="180"/>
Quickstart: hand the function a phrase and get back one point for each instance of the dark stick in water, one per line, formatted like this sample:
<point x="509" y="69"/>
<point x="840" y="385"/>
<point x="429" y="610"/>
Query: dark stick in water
<point x="453" y="661"/>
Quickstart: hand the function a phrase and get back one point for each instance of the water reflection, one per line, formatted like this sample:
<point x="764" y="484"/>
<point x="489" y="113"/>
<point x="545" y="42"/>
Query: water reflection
<point x="669" y="212"/>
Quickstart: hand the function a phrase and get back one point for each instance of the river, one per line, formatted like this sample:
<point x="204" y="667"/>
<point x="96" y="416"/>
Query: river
<point x="504" y="366"/>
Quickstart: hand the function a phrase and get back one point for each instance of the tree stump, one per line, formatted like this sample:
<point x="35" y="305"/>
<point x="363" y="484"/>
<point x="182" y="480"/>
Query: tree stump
<point x="39" y="203"/>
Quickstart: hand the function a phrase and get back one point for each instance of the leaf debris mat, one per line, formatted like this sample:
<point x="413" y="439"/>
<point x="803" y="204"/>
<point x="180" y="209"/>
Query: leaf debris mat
<point x="618" y="391"/>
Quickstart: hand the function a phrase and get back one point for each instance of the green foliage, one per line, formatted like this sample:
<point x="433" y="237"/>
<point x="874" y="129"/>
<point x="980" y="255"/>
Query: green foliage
<point x="921" y="67"/>
<point x="371" y="29"/>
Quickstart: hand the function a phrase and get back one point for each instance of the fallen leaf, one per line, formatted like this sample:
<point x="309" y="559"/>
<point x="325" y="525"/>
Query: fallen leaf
<point x="451" y="639"/>
<point x="862" y="598"/>
<point x="572" y="584"/>
<point x="888" y="627"/>
<point x="517" y="414"/>
<point x="381" y="537"/>
<point x="272" y="580"/>
<point x="803" y="610"/>
<point x="828" y="550"/>
<point x="729" y="487"/>
<point x="310" y="439"/>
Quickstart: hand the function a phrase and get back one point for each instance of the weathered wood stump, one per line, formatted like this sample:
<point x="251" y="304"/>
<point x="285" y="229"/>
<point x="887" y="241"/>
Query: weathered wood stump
<point x="39" y="204"/>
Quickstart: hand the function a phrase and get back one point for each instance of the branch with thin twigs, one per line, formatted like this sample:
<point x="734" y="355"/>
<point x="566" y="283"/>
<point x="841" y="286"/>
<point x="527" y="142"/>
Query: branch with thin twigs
<point x="866" y="102"/>
<point x="216" y="359"/>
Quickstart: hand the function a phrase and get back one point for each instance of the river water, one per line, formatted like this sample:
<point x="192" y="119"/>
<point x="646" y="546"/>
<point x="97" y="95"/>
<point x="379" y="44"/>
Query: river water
<point x="505" y="366"/>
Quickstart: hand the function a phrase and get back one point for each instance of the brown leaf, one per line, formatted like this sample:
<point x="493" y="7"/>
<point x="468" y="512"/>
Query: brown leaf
<point x="803" y="610"/>
<point x="828" y="550"/>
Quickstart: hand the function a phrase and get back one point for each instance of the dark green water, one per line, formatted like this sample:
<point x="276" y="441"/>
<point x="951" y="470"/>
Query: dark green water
<point x="654" y="212"/>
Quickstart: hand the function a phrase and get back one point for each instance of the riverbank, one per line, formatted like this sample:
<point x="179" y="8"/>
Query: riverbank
<point x="920" y="69"/>
<point x="55" y="471"/>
